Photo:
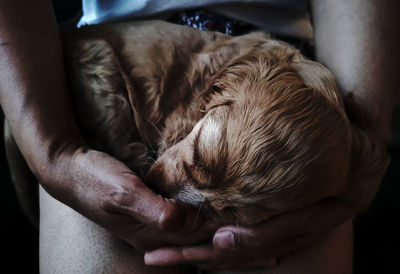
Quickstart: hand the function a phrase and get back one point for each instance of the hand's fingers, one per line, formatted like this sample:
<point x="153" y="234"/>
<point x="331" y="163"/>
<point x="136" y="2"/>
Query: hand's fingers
<point x="318" y="218"/>
<point x="154" y="210"/>
<point x="182" y="255"/>
<point x="205" y="256"/>
<point x="125" y="194"/>
<point x="242" y="239"/>
<point x="233" y="246"/>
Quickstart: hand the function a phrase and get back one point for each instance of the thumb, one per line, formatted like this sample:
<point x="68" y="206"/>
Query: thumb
<point x="171" y="216"/>
<point x="138" y="201"/>
<point x="103" y="179"/>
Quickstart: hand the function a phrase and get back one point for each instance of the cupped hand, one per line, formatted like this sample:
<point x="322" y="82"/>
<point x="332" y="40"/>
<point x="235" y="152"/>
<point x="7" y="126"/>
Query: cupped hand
<point x="260" y="245"/>
<point x="107" y="192"/>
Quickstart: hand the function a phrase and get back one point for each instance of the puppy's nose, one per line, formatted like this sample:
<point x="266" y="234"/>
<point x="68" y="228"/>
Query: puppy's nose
<point x="157" y="181"/>
<point x="154" y="177"/>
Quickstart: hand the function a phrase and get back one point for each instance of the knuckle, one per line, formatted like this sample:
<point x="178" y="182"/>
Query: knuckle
<point x="164" y="220"/>
<point x="187" y="254"/>
<point x="117" y="200"/>
<point x="167" y="219"/>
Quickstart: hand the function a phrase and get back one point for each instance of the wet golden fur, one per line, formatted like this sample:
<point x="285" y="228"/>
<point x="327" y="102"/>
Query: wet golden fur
<point x="246" y="126"/>
<point x="243" y="127"/>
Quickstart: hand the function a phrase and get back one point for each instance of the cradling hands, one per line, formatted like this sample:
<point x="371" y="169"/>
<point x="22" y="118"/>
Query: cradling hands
<point x="260" y="245"/>
<point x="107" y="192"/>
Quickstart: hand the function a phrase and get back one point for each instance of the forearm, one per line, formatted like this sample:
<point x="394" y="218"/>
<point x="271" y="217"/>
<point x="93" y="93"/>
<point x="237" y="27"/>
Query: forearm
<point x="34" y="96"/>
<point x="358" y="41"/>
<point x="33" y="92"/>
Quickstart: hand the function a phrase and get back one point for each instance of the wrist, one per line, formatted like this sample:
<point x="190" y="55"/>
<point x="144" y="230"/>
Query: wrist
<point x="51" y="160"/>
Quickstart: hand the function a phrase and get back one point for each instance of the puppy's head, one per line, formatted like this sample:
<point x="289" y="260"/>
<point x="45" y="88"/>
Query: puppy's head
<point x="274" y="138"/>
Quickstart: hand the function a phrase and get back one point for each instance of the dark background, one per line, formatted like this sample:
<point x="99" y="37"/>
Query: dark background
<point x="377" y="238"/>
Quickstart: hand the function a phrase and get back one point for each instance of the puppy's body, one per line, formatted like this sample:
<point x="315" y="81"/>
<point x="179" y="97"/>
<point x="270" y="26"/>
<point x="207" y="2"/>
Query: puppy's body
<point x="143" y="84"/>
<point x="245" y="126"/>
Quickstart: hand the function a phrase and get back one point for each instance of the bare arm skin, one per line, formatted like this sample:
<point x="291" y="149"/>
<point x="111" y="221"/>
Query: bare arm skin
<point x="35" y="101"/>
<point x="358" y="41"/>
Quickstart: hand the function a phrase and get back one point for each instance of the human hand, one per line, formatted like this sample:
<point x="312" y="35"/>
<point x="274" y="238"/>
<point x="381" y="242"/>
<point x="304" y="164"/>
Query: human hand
<point x="260" y="245"/>
<point x="37" y="106"/>
<point x="107" y="192"/>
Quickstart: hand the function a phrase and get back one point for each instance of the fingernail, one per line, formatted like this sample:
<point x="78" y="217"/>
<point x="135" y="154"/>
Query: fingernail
<point x="155" y="258"/>
<point x="224" y="240"/>
<point x="149" y="259"/>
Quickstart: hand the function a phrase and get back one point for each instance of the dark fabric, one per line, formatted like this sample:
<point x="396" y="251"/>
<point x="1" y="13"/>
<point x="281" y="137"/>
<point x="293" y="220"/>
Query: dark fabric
<point x="209" y="21"/>
<point x="66" y="10"/>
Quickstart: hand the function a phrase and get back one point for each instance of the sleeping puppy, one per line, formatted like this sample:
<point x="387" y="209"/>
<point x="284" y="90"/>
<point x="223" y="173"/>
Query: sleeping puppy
<point x="241" y="127"/>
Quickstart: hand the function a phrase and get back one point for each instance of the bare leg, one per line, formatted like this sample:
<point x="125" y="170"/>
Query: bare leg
<point x="331" y="255"/>
<point x="70" y="243"/>
<point x="25" y="183"/>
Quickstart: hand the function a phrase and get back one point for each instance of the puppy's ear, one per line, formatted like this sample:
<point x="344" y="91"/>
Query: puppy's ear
<point x="369" y="160"/>
<point x="211" y="96"/>
<point x="218" y="100"/>
<point x="217" y="60"/>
